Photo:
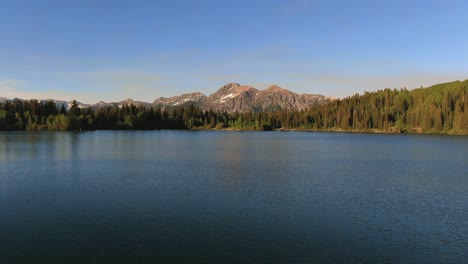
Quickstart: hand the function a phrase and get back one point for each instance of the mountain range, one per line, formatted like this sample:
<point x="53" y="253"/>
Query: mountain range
<point x="230" y="98"/>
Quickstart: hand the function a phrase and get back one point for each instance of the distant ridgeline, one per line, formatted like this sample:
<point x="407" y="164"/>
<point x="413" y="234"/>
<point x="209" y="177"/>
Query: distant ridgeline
<point x="442" y="108"/>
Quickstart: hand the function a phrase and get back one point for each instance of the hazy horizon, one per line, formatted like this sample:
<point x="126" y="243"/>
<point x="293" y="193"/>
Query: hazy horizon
<point x="113" y="50"/>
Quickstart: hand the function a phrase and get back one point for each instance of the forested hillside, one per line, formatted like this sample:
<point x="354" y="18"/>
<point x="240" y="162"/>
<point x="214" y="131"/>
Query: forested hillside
<point x="439" y="109"/>
<point x="442" y="108"/>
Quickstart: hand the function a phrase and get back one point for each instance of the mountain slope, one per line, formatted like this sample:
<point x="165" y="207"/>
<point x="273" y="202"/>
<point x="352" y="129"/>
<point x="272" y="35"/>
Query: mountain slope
<point x="232" y="97"/>
<point x="277" y="98"/>
<point x="181" y="100"/>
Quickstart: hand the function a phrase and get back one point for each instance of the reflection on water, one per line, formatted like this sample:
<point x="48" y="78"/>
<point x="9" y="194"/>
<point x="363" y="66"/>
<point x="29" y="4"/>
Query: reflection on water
<point x="271" y="197"/>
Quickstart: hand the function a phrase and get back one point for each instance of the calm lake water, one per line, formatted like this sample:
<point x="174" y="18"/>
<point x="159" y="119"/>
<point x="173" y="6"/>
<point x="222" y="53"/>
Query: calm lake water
<point x="232" y="197"/>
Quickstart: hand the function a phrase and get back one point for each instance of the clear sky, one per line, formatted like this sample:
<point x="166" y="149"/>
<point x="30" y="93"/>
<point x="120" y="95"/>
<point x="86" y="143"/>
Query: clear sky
<point x="110" y="50"/>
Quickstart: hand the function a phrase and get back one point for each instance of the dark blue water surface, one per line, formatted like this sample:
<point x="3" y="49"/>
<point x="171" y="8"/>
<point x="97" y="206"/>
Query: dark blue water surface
<point x="232" y="197"/>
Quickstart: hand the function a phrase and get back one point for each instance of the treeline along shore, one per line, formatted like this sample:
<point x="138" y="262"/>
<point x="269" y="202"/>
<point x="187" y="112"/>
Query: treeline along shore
<point x="440" y="109"/>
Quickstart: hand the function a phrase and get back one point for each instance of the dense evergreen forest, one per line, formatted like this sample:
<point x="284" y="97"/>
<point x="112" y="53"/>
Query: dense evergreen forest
<point x="442" y="108"/>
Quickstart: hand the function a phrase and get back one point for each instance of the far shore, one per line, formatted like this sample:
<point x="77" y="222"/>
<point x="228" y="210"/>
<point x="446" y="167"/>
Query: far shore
<point x="374" y="131"/>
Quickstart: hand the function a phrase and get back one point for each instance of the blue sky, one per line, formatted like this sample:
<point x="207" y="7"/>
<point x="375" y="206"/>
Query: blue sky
<point x="112" y="50"/>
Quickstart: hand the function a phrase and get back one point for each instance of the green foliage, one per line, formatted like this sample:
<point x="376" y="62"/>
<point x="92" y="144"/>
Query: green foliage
<point x="59" y="122"/>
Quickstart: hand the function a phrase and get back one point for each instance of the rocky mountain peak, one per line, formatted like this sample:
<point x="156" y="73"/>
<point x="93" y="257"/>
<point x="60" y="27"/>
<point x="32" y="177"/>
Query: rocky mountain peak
<point x="230" y="91"/>
<point x="193" y="98"/>
<point x="276" y="89"/>
<point x="230" y="86"/>
<point x="128" y="100"/>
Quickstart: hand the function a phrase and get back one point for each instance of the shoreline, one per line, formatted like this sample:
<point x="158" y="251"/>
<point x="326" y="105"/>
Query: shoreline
<point x="252" y="130"/>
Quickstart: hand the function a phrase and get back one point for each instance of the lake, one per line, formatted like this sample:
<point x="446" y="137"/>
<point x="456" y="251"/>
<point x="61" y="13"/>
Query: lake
<point x="232" y="197"/>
